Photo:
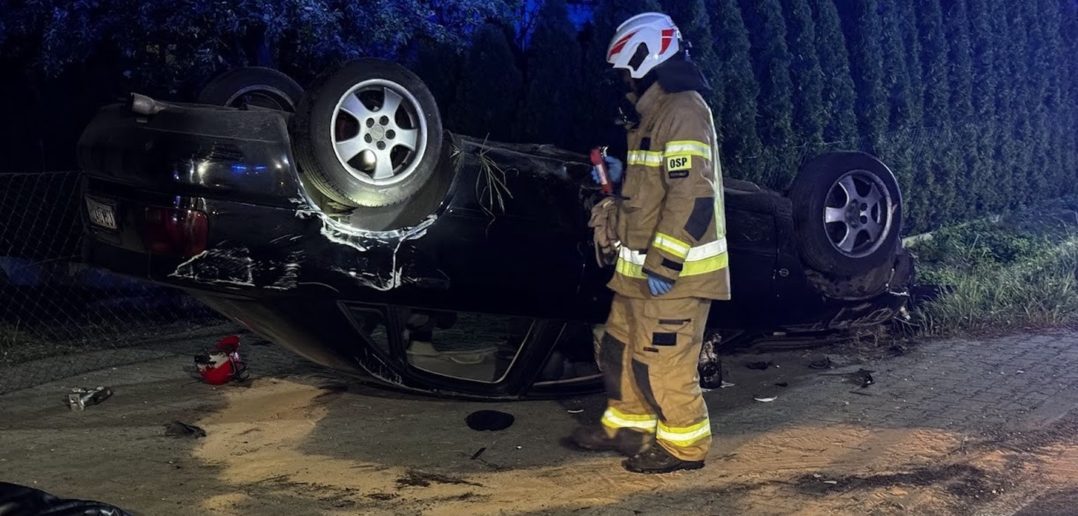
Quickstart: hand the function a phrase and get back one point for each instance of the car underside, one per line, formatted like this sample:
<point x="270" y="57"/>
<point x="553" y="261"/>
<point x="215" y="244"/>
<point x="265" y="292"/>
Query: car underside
<point x="464" y="268"/>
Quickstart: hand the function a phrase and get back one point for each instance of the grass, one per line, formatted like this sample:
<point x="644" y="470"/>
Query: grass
<point x="1018" y="272"/>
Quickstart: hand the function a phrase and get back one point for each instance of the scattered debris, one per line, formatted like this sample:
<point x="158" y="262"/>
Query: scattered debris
<point x="181" y="429"/>
<point x="710" y="368"/>
<point x="822" y="363"/>
<point x="223" y="364"/>
<point x="478" y="452"/>
<point x="726" y="385"/>
<point x="80" y="397"/>
<point x="864" y="376"/>
<point x="759" y="366"/>
<point x="489" y="420"/>
<point x="766" y="400"/>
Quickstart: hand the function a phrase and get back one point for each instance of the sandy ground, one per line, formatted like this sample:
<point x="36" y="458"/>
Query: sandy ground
<point x="301" y="440"/>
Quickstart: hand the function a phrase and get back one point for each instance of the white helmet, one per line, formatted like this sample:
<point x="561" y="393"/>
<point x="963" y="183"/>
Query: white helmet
<point x="643" y="42"/>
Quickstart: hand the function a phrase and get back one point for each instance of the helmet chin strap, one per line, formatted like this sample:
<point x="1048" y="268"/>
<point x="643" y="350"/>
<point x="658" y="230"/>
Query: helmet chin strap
<point x="642" y="84"/>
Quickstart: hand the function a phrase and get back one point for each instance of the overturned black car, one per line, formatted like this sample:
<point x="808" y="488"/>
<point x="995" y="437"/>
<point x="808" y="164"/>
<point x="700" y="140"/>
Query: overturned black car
<point x="346" y="225"/>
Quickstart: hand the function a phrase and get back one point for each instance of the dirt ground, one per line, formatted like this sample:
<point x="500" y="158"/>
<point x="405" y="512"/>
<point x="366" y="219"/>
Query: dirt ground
<point x="946" y="427"/>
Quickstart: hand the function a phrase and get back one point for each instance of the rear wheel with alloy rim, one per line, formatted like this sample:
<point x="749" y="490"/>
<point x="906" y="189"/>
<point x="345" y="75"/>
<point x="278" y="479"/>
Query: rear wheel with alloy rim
<point x="369" y="135"/>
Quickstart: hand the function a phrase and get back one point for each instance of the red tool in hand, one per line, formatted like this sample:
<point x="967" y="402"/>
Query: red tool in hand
<point x="598" y="158"/>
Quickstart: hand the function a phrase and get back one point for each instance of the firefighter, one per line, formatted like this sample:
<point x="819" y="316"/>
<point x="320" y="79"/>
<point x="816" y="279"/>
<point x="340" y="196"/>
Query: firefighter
<point x="672" y="260"/>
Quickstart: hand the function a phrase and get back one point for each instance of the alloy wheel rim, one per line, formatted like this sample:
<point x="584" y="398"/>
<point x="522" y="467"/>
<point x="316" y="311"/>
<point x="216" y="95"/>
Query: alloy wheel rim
<point x="858" y="213"/>
<point x="377" y="131"/>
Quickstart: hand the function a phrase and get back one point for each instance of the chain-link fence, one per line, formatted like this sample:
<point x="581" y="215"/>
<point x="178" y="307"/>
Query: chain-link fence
<point x="50" y="302"/>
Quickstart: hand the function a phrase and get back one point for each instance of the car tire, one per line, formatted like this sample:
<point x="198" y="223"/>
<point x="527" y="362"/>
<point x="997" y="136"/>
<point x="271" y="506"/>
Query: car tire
<point x="357" y="151"/>
<point x="253" y="86"/>
<point x="847" y="211"/>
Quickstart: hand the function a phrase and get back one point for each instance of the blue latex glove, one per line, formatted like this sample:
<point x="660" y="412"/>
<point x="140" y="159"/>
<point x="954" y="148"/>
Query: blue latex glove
<point x="614" y="170"/>
<point x="659" y="285"/>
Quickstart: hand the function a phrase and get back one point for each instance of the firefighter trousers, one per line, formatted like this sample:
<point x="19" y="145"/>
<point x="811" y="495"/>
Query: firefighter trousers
<point x="649" y="358"/>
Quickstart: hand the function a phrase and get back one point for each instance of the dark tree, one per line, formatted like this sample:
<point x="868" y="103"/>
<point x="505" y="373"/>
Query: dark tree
<point x="960" y="59"/>
<point x="163" y="43"/>
<point x="439" y="65"/>
<point x="552" y="89"/>
<point x="896" y="81"/>
<point x="1035" y="111"/>
<point x="911" y="42"/>
<point x="899" y="145"/>
<point x="934" y="63"/>
<point x="490" y="87"/>
<point x="809" y="117"/>
<point x="1015" y="120"/>
<point x="741" y="146"/>
<point x="937" y="118"/>
<point x="839" y="96"/>
<point x="1054" y="76"/>
<point x="960" y="79"/>
<point x="603" y="90"/>
<point x="861" y="25"/>
<point x="1067" y="118"/>
<point x="983" y="91"/>
<point x="771" y="62"/>
<point x="692" y="18"/>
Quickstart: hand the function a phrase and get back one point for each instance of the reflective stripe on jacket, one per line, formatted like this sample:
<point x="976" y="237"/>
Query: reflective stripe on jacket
<point x="670" y="220"/>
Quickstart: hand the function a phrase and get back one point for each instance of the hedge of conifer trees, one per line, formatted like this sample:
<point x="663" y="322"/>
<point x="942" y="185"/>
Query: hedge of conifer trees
<point x="973" y="103"/>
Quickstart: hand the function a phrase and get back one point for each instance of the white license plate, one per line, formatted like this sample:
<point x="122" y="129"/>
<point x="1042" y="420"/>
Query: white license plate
<point x="101" y="214"/>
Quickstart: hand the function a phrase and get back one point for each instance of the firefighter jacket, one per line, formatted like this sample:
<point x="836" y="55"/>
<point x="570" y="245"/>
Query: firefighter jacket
<point x="670" y="219"/>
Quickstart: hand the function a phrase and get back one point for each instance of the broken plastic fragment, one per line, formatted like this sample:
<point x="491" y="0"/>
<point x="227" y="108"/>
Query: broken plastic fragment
<point x="766" y="400"/>
<point x="80" y="398"/>
<point x="865" y="376"/>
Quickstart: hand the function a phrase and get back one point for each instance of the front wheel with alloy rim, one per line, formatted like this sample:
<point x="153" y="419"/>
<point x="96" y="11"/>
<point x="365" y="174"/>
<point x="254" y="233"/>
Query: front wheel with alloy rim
<point x="847" y="210"/>
<point x="368" y="135"/>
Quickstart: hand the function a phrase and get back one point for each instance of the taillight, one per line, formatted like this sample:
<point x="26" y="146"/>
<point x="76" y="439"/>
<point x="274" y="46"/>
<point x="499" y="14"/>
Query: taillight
<point x="174" y="231"/>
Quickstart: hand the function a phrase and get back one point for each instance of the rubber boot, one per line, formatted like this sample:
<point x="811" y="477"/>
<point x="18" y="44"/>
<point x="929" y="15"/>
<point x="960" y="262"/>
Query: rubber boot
<point x="626" y="441"/>
<point x="657" y="460"/>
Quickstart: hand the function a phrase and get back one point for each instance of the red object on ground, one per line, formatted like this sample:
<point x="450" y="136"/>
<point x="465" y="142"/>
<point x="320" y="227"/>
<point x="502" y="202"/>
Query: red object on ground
<point x="222" y="365"/>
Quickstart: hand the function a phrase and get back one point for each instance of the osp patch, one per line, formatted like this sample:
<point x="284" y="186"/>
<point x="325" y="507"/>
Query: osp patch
<point x="678" y="162"/>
